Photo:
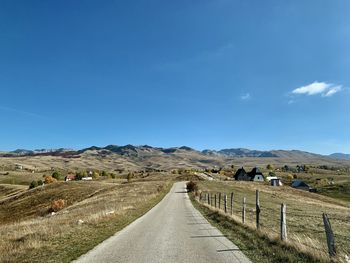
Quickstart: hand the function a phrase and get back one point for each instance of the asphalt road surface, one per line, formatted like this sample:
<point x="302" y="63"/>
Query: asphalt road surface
<point x="173" y="231"/>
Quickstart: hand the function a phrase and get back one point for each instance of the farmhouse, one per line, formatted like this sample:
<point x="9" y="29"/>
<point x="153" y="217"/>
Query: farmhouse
<point x="299" y="184"/>
<point x="241" y="175"/>
<point x="69" y="177"/>
<point x="254" y="175"/>
<point x="19" y="166"/>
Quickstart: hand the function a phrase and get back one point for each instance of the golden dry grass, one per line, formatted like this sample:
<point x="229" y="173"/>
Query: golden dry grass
<point x="304" y="214"/>
<point x="7" y="190"/>
<point x="95" y="211"/>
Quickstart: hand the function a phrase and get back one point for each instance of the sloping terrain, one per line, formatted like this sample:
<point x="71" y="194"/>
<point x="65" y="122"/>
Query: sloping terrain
<point x="129" y="157"/>
<point x="340" y="156"/>
<point x="92" y="212"/>
<point x="36" y="202"/>
<point x="8" y="190"/>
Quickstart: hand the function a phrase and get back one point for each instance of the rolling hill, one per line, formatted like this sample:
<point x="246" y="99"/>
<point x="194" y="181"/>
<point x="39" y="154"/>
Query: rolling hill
<point x="130" y="157"/>
<point x="340" y="156"/>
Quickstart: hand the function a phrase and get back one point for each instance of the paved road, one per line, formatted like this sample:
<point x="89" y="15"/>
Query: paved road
<point x="173" y="231"/>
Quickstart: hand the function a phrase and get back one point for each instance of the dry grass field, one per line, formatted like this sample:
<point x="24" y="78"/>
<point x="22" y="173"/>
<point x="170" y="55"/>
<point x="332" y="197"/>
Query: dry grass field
<point x="92" y="212"/>
<point x="304" y="214"/>
<point x="95" y="210"/>
<point x="7" y="190"/>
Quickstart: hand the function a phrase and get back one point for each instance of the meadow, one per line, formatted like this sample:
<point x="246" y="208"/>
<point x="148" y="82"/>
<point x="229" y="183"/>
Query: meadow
<point x="92" y="212"/>
<point x="304" y="214"/>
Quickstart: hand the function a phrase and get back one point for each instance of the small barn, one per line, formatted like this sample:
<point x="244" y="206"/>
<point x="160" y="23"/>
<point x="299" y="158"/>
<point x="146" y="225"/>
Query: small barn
<point x="241" y="175"/>
<point x="256" y="175"/>
<point x="299" y="184"/>
<point x="87" y="178"/>
<point x="276" y="182"/>
<point x="69" y="177"/>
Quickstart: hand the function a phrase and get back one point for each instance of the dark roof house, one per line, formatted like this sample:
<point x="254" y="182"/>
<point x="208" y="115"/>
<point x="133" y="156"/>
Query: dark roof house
<point x="253" y="175"/>
<point x="299" y="184"/>
<point x="241" y="175"/>
<point x="256" y="175"/>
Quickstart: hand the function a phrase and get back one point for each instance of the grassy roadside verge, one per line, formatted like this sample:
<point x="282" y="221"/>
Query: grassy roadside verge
<point x="61" y="239"/>
<point x="255" y="246"/>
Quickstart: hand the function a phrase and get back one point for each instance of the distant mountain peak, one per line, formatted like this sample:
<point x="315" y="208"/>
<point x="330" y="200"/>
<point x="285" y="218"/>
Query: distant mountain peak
<point x="341" y="156"/>
<point x="240" y="152"/>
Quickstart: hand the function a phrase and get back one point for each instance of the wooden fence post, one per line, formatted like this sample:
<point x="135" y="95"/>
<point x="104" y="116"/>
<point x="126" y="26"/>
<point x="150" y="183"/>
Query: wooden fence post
<point x="219" y="200"/>
<point x="257" y="210"/>
<point x="225" y="203"/>
<point x="232" y="203"/>
<point x="215" y="200"/>
<point x="208" y="199"/>
<point x="283" y="223"/>
<point x="243" y="211"/>
<point x="329" y="235"/>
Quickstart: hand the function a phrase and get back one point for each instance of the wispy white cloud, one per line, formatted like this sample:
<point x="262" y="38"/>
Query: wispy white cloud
<point x="246" y="96"/>
<point x="21" y="112"/>
<point x="318" y="88"/>
<point x="332" y="91"/>
<point x="204" y="56"/>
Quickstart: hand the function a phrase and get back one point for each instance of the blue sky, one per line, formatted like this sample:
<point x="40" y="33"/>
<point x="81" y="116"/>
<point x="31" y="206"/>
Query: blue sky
<point x="206" y="74"/>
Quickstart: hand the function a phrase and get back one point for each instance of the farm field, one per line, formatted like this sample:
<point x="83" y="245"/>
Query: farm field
<point x="304" y="213"/>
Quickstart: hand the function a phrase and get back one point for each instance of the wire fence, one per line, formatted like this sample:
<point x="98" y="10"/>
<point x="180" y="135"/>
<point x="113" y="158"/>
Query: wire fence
<point x="307" y="229"/>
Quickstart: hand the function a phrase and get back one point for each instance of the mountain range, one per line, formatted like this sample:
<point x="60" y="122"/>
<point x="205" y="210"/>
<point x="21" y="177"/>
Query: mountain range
<point x="130" y="157"/>
<point x="131" y="150"/>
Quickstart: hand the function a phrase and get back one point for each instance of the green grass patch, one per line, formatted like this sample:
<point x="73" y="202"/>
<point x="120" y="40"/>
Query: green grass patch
<point x="338" y="191"/>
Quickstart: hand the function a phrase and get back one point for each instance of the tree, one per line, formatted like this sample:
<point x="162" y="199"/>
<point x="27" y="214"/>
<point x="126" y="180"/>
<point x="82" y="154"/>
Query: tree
<point x="270" y="167"/>
<point x="272" y="174"/>
<point x="79" y="175"/>
<point x="56" y="175"/>
<point x="49" y="180"/>
<point x="192" y="186"/>
<point x="40" y="182"/>
<point x="57" y="205"/>
<point x="33" y="184"/>
<point x="95" y="175"/>
<point x="104" y="173"/>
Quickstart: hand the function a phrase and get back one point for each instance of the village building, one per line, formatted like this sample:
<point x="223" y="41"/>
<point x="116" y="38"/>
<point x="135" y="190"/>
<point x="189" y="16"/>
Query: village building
<point x="299" y="184"/>
<point x="241" y="175"/>
<point x="276" y="182"/>
<point x="69" y="177"/>
<point x="254" y="175"/>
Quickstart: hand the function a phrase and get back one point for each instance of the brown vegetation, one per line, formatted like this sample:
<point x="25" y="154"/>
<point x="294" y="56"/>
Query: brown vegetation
<point x="92" y="211"/>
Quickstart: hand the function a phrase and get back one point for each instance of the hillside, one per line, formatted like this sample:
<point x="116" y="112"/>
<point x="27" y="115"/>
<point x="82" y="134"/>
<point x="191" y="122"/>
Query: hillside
<point x="91" y="212"/>
<point x="340" y="156"/>
<point x="130" y="157"/>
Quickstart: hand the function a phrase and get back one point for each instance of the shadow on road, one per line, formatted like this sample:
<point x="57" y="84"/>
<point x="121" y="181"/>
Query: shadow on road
<point x="229" y="250"/>
<point x="208" y="236"/>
